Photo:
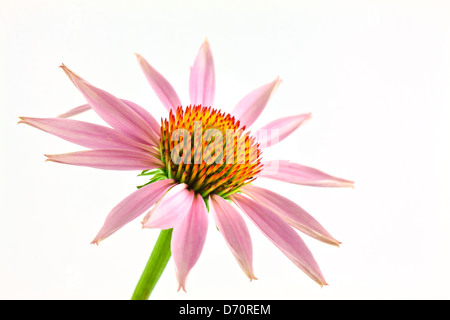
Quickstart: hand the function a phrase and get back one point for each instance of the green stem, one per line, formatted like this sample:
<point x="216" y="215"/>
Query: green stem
<point x="155" y="266"/>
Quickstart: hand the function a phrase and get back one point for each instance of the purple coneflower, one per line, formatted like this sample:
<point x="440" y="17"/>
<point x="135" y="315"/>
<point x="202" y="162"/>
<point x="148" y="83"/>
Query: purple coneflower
<point x="199" y="160"/>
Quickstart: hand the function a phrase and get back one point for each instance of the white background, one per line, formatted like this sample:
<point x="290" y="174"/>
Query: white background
<point x="374" y="74"/>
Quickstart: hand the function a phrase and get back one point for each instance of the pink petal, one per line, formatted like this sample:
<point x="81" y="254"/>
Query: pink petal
<point x="144" y="114"/>
<point x="75" y="111"/>
<point x="133" y="206"/>
<point x="109" y="159"/>
<point x="251" y="106"/>
<point x="290" y="212"/>
<point x="111" y="109"/>
<point x="188" y="238"/>
<point x="160" y="85"/>
<point x="279" y="129"/>
<point x="235" y="232"/>
<point x="282" y="235"/>
<point x="147" y="117"/>
<point x="287" y="171"/>
<point x="86" y="134"/>
<point x="171" y="209"/>
<point x="202" y="78"/>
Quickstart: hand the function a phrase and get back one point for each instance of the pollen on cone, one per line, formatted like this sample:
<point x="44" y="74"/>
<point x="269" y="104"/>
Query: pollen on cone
<point x="208" y="150"/>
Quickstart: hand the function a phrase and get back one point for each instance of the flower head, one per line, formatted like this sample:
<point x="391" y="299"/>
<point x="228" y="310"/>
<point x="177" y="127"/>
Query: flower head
<point x="203" y="160"/>
<point x="199" y="160"/>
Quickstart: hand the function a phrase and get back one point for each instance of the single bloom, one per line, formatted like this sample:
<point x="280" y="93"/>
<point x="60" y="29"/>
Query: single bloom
<point x="201" y="163"/>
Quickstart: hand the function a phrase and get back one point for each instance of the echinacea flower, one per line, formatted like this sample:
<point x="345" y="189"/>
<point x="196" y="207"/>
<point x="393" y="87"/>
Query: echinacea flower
<point x="199" y="160"/>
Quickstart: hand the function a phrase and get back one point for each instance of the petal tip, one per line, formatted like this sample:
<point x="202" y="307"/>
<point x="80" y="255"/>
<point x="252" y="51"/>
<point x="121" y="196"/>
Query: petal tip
<point x="348" y="184"/>
<point x="143" y="224"/>
<point x="181" y="286"/>
<point x="321" y="282"/>
<point x="278" y="81"/>
<point x="148" y="224"/>
<point x="275" y="84"/>
<point x="72" y="75"/>
<point x="139" y="57"/>
<point x="334" y="242"/>
<point x="64" y="67"/>
<point x="252" y="277"/>
<point x="49" y="158"/>
<point x="67" y="71"/>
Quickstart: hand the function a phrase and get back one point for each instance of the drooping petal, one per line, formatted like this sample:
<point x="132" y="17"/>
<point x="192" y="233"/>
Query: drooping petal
<point x="279" y="129"/>
<point x="171" y="209"/>
<point x="111" y="109"/>
<point x="290" y="212"/>
<point x="250" y="107"/>
<point x="202" y="78"/>
<point x="144" y="114"/>
<point x="132" y="207"/>
<point x="151" y="121"/>
<point x="188" y="238"/>
<point x="85" y="134"/>
<point x="287" y="171"/>
<point x="282" y="235"/>
<point x="109" y="159"/>
<point x="160" y="85"/>
<point x="235" y="232"/>
<point x="75" y="111"/>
